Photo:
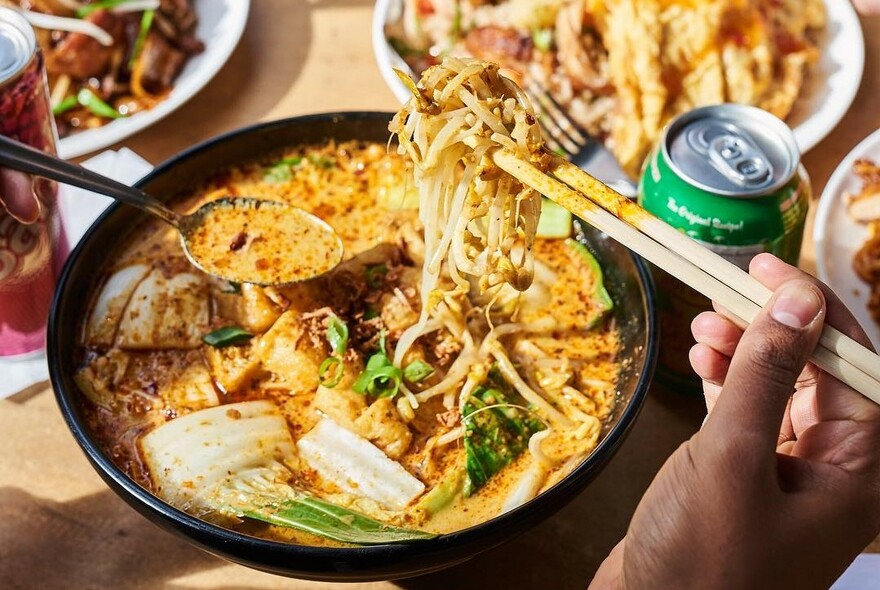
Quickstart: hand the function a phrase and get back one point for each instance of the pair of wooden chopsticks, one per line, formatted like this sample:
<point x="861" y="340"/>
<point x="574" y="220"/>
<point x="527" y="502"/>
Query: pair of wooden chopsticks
<point x="740" y="294"/>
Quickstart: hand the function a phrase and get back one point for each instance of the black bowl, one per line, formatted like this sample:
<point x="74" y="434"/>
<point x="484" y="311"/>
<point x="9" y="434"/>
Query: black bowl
<point x="626" y="277"/>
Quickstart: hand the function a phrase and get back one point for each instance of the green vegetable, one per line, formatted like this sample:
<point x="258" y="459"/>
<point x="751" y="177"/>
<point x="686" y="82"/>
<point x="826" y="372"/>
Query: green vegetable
<point x="543" y="39"/>
<point x="599" y="294"/>
<point x="403" y="49"/>
<point x="555" y="221"/>
<point x="281" y="171"/>
<point x="87" y="9"/>
<point x="96" y="106"/>
<point x="322" y="162"/>
<point x="417" y="371"/>
<point x="337" y="335"/>
<point x="146" y="23"/>
<point x="65" y="105"/>
<point x="455" y="31"/>
<point x="227" y="336"/>
<point x="234" y="288"/>
<point x="443" y="493"/>
<point x="331" y="362"/>
<point x="496" y="431"/>
<point x="370" y="313"/>
<point x="307" y="513"/>
<point x="376" y="275"/>
<point x="380" y="378"/>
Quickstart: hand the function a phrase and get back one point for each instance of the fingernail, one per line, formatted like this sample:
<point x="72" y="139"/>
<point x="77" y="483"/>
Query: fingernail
<point x="796" y="305"/>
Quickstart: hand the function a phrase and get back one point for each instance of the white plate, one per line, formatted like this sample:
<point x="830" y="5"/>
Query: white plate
<point x="838" y="238"/>
<point x="834" y="81"/>
<point x="221" y="23"/>
<point x="829" y="92"/>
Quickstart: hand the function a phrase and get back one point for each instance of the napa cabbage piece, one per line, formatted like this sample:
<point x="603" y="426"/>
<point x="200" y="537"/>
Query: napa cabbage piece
<point x="115" y="295"/>
<point x="497" y="430"/>
<point x="236" y="460"/>
<point x="357" y="466"/>
<point x="194" y="458"/>
<point x="165" y="313"/>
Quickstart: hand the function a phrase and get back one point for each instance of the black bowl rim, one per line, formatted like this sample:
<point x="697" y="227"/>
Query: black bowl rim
<point x="565" y="489"/>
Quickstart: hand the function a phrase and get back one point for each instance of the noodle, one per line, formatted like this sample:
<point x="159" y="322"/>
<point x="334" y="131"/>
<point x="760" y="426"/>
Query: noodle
<point x="480" y="223"/>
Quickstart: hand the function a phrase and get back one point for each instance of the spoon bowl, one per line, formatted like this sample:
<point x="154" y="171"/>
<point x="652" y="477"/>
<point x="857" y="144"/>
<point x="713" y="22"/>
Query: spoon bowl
<point x="246" y="240"/>
<point x="239" y="239"/>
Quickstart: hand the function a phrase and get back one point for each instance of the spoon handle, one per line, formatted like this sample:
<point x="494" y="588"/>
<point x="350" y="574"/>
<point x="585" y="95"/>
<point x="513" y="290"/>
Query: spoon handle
<point x="21" y="157"/>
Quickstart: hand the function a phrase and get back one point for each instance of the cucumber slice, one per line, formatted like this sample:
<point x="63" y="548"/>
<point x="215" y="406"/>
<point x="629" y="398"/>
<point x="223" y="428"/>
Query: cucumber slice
<point x="555" y="221"/>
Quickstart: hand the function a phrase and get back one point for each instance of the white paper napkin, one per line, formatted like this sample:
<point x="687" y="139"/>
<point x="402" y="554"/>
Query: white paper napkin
<point x="863" y="574"/>
<point x="78" y="209"/>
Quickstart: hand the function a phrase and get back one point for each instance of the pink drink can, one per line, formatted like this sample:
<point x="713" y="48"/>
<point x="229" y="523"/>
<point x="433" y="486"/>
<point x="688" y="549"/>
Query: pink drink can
<point x="32" y="244"/>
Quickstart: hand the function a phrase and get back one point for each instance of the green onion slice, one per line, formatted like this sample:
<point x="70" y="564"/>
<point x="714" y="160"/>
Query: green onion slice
<point x="86" y="10"/>
<point x="227" y="336"/>
<point x="337" y="335"/>
<point x="96" y="106"/>
<point x="333" y="363"/>
<point x="281" y="171"/>
<point x="376" y="275"/>
<point x="65" y="105"/>
<point x="543" y="39"/>
<point x="417" y="371"/>
<point x="146" y="23"/>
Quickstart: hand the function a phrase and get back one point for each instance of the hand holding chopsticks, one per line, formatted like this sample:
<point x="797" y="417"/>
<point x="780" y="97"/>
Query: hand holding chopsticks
<point x="701" y="269"/>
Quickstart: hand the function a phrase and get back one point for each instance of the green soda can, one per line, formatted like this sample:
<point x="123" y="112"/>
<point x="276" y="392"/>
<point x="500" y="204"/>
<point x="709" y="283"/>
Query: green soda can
<point x="728" y="176"/>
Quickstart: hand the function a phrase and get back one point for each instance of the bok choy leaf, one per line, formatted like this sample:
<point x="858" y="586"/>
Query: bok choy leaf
<point x="497" y="430"/>
<point x="328" y="520"/>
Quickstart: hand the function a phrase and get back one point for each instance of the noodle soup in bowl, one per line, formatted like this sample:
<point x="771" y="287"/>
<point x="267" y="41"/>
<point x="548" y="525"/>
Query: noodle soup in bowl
<point x="276" y="428"/>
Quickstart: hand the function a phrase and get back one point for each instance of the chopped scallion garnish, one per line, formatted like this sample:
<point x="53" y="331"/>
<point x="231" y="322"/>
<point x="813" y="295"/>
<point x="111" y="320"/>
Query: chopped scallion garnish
<point x="227" y="336"/>
<point x="87" y="9"/>
<point x="543" y="39"/>
<point x="146" y="23"/>
<point x="337" y="336"/>
<point x="281" y="171"/>
<point x="417" y="371"/>
<point x="380" y="377"/>
<point x="321" y="162"/>
<point x="96" y="106"/>
<point x="376" y="275"/>
<point x="334" y="364"/>
<point x="65" y="105"/>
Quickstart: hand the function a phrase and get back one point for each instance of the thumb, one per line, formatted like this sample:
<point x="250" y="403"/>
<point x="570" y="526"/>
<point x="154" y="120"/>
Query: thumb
<point x="765" y="367"/>
<point x="17" y="196"/>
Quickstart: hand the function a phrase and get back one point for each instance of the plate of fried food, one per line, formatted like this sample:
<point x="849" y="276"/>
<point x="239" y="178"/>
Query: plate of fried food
<point x="118" y="66"/>
<point x="847" y="234"/>
<point x="623" y="68"/>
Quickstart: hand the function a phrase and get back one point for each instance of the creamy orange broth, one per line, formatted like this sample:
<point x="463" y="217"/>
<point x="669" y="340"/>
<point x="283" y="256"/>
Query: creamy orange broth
<point x="262" y="242"/>
<point x="365" y="194"/>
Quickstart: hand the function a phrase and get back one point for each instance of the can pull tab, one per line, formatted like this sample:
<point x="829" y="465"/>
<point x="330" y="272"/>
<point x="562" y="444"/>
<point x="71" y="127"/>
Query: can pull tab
<point x="733" y="153"/>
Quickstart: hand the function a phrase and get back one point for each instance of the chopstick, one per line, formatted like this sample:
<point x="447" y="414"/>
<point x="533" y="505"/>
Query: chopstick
<point x="683" y="266"/>
<point x="727" y="272"/>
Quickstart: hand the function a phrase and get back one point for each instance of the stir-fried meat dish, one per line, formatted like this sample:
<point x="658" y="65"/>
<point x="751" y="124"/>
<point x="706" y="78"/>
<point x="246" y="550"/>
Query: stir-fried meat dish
<point x="108" y="59"/>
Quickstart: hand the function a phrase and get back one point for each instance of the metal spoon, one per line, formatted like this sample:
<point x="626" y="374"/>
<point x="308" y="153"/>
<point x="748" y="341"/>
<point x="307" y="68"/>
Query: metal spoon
<point x="240" y="239"/>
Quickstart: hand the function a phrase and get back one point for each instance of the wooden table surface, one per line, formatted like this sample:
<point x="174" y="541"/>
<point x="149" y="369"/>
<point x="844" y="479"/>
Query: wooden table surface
<point x="60" y="526"/>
